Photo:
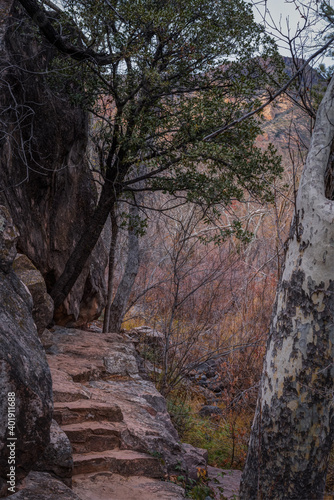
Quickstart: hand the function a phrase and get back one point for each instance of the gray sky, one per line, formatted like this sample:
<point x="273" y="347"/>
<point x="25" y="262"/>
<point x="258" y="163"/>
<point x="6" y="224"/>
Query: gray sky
<point x="285" y="14"/>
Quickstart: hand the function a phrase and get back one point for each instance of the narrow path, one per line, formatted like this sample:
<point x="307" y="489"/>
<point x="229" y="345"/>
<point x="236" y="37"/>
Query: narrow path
<point x="117" y="423"/>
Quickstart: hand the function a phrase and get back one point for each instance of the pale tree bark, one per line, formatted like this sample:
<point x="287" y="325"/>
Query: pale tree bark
<point x="293" y="428"/>
<point x="120" y="301"/>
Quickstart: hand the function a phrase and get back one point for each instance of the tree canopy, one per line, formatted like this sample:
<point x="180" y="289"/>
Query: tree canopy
<point x="160" y="76"/>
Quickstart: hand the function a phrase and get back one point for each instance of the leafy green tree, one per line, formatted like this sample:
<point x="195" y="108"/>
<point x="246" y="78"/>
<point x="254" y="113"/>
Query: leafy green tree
<point x="160" y="77"/>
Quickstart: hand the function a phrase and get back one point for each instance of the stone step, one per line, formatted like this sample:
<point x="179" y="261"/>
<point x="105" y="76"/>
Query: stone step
<point x="72" y="412"/>
<point x="108" y="485"/>
<point x="94" y="436"/>
<point x="63" y="387"/>
<point x="125" y="462"/>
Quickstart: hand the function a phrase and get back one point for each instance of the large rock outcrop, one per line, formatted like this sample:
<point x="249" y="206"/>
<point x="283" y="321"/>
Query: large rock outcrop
<point x="46" y="181"/>
<point x="57" y="457"/>
<point x="25" y="381"/>
<point x="43" y="304"/>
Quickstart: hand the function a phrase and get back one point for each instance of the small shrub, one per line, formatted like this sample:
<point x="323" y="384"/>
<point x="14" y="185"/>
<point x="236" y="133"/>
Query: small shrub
<point x="180" y="414"/>
<point x="201" y="490"/>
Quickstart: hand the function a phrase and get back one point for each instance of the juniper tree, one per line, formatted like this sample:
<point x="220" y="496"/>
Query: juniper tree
<point x="159" y="77"/>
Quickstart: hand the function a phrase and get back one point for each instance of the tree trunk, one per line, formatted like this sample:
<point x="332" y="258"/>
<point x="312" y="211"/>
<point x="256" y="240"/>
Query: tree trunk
<point x="118" y="306"/>
<point x="85" y="245"/>
<point x="293" y="428"/>
<point x="111" y="271"/>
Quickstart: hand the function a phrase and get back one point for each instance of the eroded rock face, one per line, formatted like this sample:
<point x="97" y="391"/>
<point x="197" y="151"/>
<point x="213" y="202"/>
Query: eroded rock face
<point x="57" y="457"/>
<point x="48" y="187"/>
<point x="24" y="372"/>
<point x="43" y="304"/>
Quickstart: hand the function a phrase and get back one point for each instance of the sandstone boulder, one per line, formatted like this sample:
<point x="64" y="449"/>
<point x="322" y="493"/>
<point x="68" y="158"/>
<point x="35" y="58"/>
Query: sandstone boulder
<point x="57" y="457"/>
<point x="43" y="304"/>
<point x="208" y="368"/>
<point x="195" y="458"/>
<point x="148" y="341"/>
<point x="24" y="373"/>
<point x="42" y="486"/>
<point x="148" y="335"/>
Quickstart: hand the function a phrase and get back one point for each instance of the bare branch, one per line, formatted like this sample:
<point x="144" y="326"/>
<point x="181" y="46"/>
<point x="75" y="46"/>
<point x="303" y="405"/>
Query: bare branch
<point x="273" y="97"/>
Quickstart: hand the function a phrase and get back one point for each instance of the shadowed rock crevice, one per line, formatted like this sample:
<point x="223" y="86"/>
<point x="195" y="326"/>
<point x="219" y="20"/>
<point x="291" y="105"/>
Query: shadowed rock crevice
<point x="46" y="181"/>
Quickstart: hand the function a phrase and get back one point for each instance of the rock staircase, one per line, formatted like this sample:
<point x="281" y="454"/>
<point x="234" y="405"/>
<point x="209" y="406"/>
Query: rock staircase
<point x="95" y="432"/>
<point x="119" y="430"/>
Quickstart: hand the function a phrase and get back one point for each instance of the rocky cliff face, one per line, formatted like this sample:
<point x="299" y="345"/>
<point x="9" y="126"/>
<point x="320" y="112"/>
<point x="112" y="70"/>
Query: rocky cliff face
<point x="45" y="177"/>
<point x="25" y="381"/>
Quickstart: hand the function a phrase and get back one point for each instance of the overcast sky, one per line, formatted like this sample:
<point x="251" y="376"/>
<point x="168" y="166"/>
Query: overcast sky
<point x="284" y="13"/>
